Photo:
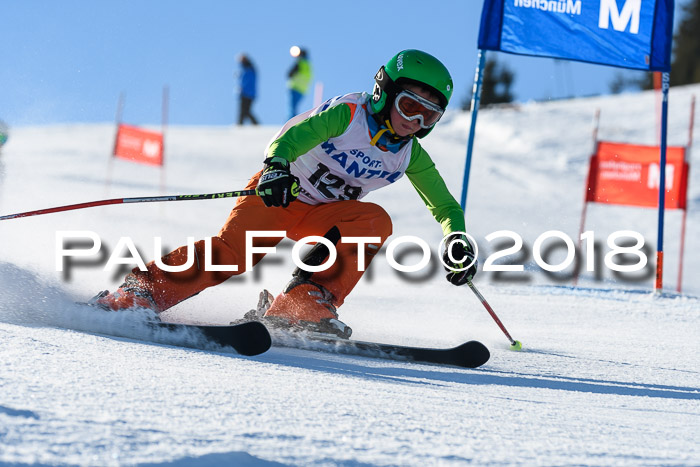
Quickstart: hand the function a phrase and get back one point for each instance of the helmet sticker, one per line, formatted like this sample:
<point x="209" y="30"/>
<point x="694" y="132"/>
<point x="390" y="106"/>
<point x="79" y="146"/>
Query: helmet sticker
<point x="376" y="92"/>
<point x="380" y="75"/>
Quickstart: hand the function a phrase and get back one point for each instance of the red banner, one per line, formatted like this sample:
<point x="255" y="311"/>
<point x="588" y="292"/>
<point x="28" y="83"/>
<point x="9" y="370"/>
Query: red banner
<point x="138" y="145"/>
<point x="628" y="174"/>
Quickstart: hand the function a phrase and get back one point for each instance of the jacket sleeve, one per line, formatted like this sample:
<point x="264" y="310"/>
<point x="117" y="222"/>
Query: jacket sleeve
<point x="309" y="133"/>
<point x="431" y="187"/>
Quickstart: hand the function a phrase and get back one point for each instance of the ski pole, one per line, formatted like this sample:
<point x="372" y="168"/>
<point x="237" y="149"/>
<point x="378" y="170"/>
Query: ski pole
<point x="514" y="345"/>
<point x="149" y="199"/>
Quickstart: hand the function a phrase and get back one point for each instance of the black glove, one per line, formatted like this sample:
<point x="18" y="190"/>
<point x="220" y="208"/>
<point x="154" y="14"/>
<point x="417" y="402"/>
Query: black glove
<point x="277" y="186"/>
<point x="463" y="253"/>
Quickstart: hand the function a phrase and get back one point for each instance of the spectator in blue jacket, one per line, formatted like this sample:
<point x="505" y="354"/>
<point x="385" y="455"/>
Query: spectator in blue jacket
<point x="247" y="89"/>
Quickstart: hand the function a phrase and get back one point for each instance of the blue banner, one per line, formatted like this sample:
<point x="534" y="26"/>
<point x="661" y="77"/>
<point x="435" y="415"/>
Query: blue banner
<point x="633" y="34"/>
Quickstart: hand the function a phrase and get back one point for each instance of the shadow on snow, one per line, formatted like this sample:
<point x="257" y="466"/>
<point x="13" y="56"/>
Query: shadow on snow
<point x="427" y="374"/>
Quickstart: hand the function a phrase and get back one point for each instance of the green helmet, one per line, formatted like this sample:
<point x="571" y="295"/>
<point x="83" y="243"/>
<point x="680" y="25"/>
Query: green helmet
<point x="410" y="66"/>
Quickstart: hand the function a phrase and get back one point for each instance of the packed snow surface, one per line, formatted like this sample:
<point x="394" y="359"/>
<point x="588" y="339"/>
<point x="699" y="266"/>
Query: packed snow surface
<point x="609" y="373"/>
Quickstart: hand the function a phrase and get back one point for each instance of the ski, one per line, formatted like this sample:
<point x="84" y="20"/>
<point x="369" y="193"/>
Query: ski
<point x="247" y="338"/>
<point x="251" y="338"/>
<point x="471" y="354"/>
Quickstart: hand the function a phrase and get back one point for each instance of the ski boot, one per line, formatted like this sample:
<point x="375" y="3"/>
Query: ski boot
<point x="302" y="306"/>
<point x="129" y="296"/>
<point x="264" y="303"/>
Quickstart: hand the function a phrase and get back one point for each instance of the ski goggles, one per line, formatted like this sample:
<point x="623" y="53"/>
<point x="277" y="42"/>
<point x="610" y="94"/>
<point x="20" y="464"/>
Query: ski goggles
<point x="411" y="106"/>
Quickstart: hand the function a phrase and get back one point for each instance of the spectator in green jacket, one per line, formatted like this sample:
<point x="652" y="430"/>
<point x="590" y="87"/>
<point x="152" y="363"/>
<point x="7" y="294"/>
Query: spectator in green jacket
<point x="4" y="133"/>
<point x="300" y="76"/>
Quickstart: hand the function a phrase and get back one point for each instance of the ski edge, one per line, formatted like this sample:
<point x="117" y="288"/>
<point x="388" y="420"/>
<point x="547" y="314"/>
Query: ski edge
<point x="470" y="354"/>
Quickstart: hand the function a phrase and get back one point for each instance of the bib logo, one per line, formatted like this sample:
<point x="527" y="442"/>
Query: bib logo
<point x="620" y="20"/>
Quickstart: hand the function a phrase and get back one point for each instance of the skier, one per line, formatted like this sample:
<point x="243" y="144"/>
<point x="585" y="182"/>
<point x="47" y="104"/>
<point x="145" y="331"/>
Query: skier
<point x="4" y="132"/>
<point x="316" y="170"/>
<point x="298" y="78"/>
<point x="247" y="81"/>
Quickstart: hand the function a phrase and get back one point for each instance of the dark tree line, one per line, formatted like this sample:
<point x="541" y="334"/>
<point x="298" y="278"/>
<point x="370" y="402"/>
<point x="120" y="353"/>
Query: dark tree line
<point x="685" y="61"/>
<point x="496" y="85"/>
<point x="685" y="67"/>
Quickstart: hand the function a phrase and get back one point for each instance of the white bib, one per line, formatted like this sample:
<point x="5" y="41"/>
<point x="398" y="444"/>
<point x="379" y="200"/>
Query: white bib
<point x="347" y="166"/>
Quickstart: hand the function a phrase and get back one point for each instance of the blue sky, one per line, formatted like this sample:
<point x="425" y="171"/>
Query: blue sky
<point x="68" y="61"/>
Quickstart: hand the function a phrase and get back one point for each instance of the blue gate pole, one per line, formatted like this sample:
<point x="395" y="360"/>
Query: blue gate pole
<point x="476" y="99"/>
<point x="665" y="83"/>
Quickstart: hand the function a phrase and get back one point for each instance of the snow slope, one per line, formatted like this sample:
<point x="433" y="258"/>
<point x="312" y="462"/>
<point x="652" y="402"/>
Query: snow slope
<point x="609" y="374"/>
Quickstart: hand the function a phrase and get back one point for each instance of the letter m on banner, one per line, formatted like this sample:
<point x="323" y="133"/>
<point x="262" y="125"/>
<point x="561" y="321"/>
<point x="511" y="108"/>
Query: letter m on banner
<point x="620" y="20"/>
<point x="634" y="34"/>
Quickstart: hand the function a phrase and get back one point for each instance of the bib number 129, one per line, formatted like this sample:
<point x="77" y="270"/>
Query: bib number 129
<point x="329" y="185"/>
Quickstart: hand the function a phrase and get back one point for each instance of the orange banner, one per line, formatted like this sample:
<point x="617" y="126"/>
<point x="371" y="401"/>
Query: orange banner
<point x="628" y="174"/>
<point x="138" y="145"/>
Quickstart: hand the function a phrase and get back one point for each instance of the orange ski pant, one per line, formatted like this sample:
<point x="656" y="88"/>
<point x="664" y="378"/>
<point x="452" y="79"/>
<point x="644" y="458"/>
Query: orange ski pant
<point x="298" y="220"/>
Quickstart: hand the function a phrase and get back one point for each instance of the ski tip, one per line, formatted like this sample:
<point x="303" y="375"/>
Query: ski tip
<point x="471" y="354"/>
<point x="253" y="339"/>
